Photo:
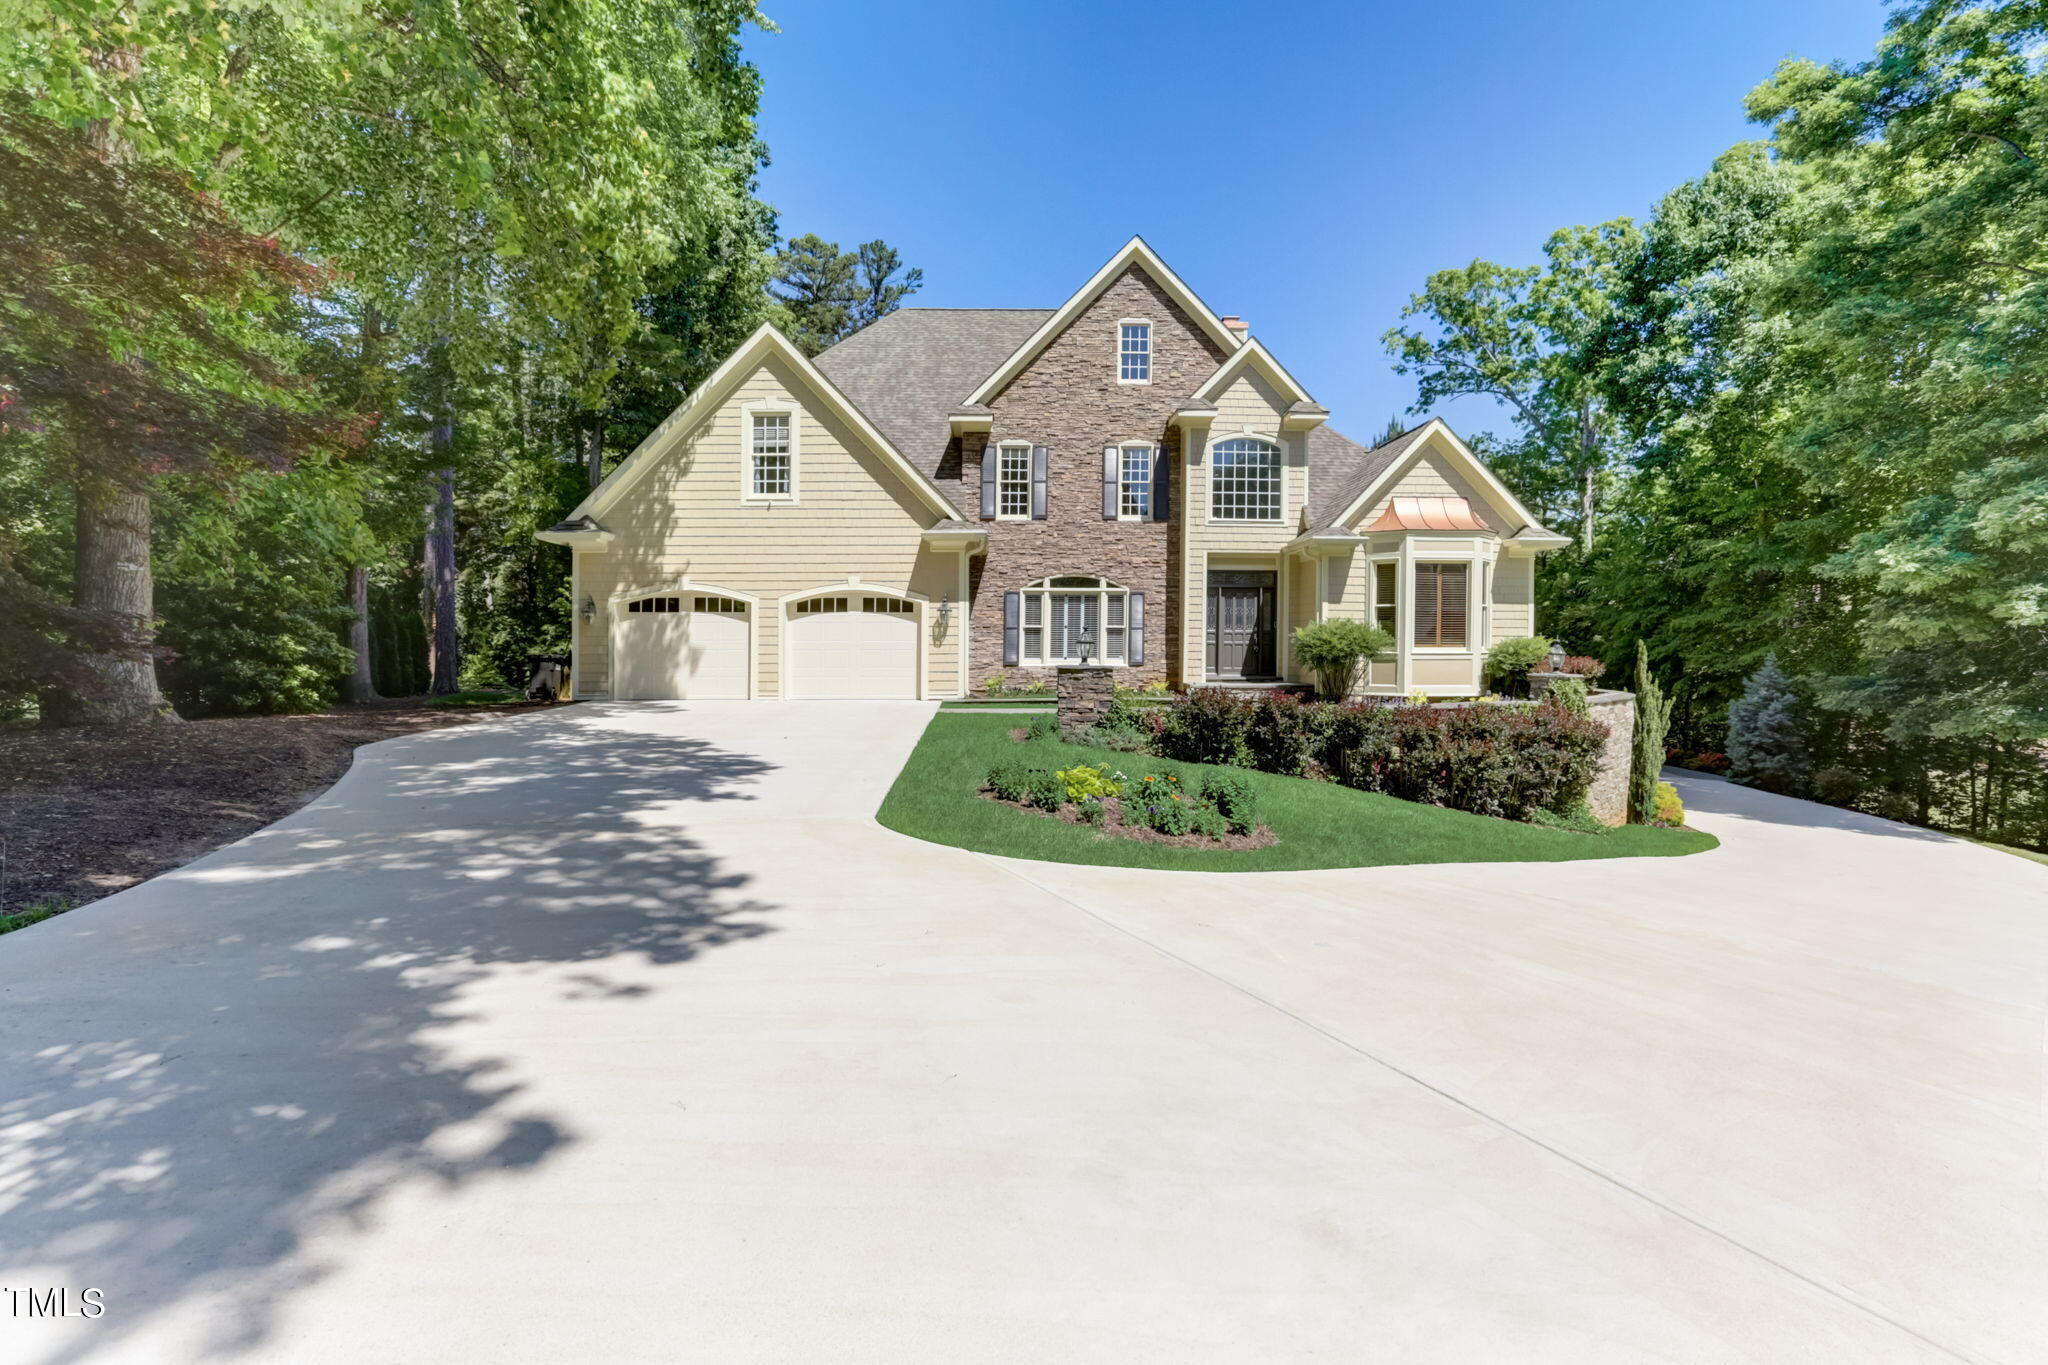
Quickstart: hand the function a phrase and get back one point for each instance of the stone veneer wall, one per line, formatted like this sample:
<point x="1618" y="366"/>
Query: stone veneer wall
<point x="1609" y="797"/>
<point x="1084" y="693"/>
<point x="1068" y="400"/>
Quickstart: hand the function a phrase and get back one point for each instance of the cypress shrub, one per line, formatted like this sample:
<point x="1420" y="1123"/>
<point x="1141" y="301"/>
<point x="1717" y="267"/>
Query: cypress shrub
<point x="1653" y="718"/>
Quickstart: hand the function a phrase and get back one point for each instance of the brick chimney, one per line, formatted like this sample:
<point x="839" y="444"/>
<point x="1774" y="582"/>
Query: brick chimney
<point x="1236" y="324"/>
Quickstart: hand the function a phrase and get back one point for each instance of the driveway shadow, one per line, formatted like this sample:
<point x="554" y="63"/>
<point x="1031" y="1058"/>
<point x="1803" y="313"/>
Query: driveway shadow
<point x="199" y="1073"/>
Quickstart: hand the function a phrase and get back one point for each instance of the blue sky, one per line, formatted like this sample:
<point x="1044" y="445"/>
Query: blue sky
<point x="1305" y="165"/>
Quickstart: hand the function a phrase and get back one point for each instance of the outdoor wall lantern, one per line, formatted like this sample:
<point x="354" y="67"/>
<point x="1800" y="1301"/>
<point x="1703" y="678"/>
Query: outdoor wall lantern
<point x="588" y="611"/>
<point x="945" y="611"/>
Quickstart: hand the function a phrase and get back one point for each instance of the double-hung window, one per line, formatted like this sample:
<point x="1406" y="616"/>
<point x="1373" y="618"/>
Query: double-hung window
<point x="1385" y="610"/>
<point x="771" y="469"/>
<point x="1134" y="352"/>
<point x="1134" y="482"/>
<point x="1013" y="480"/>
<point x="1440" y="610"/>
<point x="1244" y="480"/>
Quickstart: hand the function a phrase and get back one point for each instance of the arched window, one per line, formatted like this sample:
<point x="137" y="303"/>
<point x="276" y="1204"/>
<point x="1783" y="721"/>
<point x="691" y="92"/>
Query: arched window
<point x="1075" y="618"/>
<point x="1244" y="480"/>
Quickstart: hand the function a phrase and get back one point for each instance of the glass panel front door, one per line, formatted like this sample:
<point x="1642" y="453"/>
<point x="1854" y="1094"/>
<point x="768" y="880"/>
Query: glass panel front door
<point x="1241" y="625"/>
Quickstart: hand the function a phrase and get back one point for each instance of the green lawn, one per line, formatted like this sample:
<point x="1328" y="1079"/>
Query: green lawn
<point x="1319" y="824"/>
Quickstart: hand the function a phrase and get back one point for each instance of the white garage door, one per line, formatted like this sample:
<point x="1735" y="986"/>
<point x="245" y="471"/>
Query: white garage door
<point x="850" y="645"/>
<point x="689" y="646"/>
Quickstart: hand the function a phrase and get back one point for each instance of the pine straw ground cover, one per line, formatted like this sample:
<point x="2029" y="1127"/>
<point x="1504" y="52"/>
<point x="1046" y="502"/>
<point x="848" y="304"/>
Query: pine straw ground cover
<point x="85" y="813"/>
<point x="938" y="797"/>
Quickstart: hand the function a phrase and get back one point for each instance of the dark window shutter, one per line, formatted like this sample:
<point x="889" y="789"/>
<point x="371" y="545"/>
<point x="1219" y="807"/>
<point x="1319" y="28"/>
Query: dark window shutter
<point x="1137" y="627"/>
<point x="1013" y="612"/>
<point x="988" y="480"/>
<point x="1110" y="482"/>
<point x="1162" y="484"/>
<point x="1038" y="463"/>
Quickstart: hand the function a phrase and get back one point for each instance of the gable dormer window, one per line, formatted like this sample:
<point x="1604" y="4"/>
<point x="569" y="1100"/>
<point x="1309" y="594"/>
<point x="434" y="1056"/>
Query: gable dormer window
<point x="1134" y="351"/>
<point x="771" y="455"/>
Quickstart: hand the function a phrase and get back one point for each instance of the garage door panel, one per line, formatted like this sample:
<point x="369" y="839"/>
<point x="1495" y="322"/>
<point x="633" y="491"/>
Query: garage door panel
<point x="853" y="654"/>
<point x="700" y="655"/>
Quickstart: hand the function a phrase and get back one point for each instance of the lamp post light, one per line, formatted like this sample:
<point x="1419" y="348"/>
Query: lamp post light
<point x="588" y="611"/>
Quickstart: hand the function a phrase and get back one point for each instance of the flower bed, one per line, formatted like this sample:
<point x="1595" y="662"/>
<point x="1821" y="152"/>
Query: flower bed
<point x="1154" y="806"/>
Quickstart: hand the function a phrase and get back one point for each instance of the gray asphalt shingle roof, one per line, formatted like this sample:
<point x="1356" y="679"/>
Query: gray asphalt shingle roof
<point x="911" y="370"/>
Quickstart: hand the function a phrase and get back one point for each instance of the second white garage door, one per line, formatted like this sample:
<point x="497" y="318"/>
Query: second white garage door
<point x="851" y="646"/>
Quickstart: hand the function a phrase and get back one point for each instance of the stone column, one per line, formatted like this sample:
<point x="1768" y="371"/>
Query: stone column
<point x="1609" y="796"/>
<point x="1084" y="694"/>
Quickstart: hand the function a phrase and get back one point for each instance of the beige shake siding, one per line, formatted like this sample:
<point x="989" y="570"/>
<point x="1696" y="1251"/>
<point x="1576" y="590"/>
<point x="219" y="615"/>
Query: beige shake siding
<point x="686" y="519"/>
<point x="1514" y="597"/>
<point x="1250" y="405"/>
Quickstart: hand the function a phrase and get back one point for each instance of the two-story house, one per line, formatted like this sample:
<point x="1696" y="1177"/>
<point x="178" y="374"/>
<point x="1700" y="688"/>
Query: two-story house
<point x="955" y="493"/>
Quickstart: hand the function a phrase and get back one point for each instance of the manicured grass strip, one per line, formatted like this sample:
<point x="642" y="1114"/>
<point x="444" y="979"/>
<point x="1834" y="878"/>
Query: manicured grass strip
<point x="1319" y="824"/>
<point x="487" y="698"/>
<point x="2031" y="855"/>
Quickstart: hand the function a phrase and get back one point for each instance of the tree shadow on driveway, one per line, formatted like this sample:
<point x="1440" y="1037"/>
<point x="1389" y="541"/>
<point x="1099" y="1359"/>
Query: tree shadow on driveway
<point x="200" y="1073"/>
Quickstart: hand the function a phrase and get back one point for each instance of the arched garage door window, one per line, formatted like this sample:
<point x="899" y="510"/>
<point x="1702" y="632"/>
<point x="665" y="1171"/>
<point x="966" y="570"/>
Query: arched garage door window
<point x="682" y="644"/>
<point x="847" y="643"/>
<point x="1072" y="617"/>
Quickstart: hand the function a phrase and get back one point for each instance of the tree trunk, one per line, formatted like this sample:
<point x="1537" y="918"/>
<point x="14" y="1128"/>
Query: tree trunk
<point x="442" y="642"/>
<point x="593" y="447"/>
<point x="110" y="577"/>
<point x="362" y="683"/>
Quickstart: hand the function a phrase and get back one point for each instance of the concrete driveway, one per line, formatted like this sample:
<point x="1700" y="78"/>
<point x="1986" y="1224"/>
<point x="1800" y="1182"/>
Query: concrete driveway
<point x="623" y="1033"/>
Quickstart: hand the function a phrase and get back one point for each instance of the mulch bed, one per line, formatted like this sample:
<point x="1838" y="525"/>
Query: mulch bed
<point x="1113" y="825"/>
<point x="85" y="813"/>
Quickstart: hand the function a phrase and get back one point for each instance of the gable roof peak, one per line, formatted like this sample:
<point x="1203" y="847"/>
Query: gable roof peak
<point x="1136" y="252"/>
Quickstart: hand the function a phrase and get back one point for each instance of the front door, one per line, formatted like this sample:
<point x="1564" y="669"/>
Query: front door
<point x="1241" y="625"/>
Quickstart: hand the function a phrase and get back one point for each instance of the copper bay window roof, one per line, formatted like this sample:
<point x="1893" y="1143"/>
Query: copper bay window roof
<point x="1428" y="514"/>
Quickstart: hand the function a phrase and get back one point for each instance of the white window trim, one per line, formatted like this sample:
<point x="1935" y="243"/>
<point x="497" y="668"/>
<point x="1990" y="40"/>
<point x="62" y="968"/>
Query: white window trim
<point x="1026" y="447"/>
<point x="1152" y="480"/>
<point x="771" y="408"/>
<point x="1471" y="563"/>
<point x="1209" y="481"/>
<point x="1151" y="335"/>
<point x="1105" y="589"/>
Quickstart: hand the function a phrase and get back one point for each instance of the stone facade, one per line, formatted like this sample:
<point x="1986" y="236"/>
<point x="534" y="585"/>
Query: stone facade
<point x="1083" y="695"/>
<point x="1069" y="401"/>
<point x="1609" y="797"/>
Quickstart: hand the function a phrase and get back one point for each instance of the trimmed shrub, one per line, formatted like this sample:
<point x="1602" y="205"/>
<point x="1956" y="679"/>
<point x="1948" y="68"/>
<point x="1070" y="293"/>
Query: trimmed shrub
<point x="1207" y="821"/>
<point x="1132" y="738"/>
<point x="1579" y="819"/>
<point x="1490" y="760"/>
<point x="1837" y="786"/>
<point x="1283" y="735"/>
<point x="1336" y="649"/>
<point x="1568" y="694"/>
<point x="1510" y="660"/>
<point x="1010" y="781"/>
<point x="1585" y="666"/>
<point x="1235" y="798"/>
<point x="1045" y="790"/>
<point x="1766" y="739"/>
<point x="1670" y="810"/>
<point x="1208" y="725"/>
